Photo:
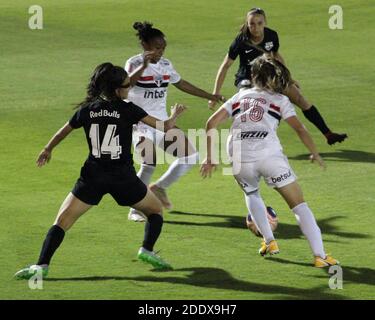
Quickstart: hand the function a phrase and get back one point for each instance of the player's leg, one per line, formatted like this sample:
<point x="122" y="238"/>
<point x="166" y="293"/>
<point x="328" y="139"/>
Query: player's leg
<point x="247" y="177"/>
<point x="313" y="115"/>
<point x="177" y="144"/>
<point x="71" y="209"/>
<point x="292" y="194"/>
<point x="146" y="149"/>
<point x="152" y="208"/>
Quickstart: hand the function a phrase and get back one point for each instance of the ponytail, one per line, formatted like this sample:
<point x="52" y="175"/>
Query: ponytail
<point x="146" y="32"/>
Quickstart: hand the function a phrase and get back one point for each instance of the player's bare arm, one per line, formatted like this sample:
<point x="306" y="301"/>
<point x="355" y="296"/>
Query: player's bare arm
<point x="209" y="164"/>
<point x="220" y="78"/>
<point x="137" y="73"/>
<point x="176" y="112"/>
<point x="45" y="154"/>
<point x="187" y="87"/>
<point x="306" y="139"/>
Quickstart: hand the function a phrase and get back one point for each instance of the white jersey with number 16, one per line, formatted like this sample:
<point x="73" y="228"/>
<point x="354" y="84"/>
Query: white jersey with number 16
<point x="256" y="116"/>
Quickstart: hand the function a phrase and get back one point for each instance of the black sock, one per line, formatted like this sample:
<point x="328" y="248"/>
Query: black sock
<point x="52" y="241"/>
<point x="152" y="230"/>
<point x="315" y="117"/>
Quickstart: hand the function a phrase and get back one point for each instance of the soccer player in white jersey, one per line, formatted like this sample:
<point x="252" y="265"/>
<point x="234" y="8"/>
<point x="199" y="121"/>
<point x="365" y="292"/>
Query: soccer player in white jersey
<point x="150" y="75"/>
<point x="256" y="152"/>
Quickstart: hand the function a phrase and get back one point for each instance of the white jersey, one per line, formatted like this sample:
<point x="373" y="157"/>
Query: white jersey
<point x="150" y="92"/>
<point x="256" y="116"/>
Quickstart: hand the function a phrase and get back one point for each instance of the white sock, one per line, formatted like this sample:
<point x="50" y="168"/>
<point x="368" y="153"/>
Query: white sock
<point x="258" y="212"/>
<point x="309" y="228"/>
<point x="178" y="168"/>
<point x="145" y="173"/>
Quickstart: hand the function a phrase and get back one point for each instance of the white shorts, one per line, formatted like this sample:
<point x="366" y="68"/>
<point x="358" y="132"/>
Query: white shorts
<point x="143" y="130"/>
<point x="275" y="170"/>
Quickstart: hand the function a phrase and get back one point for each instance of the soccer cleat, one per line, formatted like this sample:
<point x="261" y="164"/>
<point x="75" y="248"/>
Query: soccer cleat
<point x="152" y="258"/>
<point x="30" y="271"/>
<point x="271" y="248"/>
<point x="135" y="215"/>
<point x="161" y="194"/>
<point x="332" y="137"/>
<point x="327" y="262"/>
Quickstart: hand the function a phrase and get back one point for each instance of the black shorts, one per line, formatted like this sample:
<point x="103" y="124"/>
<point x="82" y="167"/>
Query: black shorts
<point x="121" y="182"/>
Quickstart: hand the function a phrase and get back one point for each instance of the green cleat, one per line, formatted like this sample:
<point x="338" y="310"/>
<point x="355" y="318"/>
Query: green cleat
<point x="28" y="272"/>
<point x="153" y="259"/>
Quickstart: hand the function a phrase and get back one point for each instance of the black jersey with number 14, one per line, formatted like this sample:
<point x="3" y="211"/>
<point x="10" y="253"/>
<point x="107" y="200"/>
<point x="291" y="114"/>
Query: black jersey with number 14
<point x="108" y="126"/>
<point x="241" y="46"/>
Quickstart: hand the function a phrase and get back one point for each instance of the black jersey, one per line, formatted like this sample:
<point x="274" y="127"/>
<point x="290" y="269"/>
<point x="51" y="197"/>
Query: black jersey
<point x="108" y="126"/>
<point x="241" y="46"/>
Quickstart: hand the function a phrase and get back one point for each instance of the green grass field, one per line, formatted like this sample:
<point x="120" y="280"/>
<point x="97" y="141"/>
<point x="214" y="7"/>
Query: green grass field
<point x="44" y="72"/>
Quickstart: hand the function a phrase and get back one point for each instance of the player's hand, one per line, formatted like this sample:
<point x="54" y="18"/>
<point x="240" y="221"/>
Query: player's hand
<point x="177" y="110"/>
<point x="207" y="168"/>
<point x="43" y="158"/>
<point x="211" y="104"/>
<point x="214" y="99"/>
<point x="318" y="159"/>
<point x="147" y="57"/>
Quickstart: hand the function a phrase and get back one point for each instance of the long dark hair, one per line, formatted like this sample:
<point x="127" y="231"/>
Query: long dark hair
<point x="244" y="30"/>
<point x="104" y="81"/>
<point x="270" y="74"/>
<point x="146" y="32"/>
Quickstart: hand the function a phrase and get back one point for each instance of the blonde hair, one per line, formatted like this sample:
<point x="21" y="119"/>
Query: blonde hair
<point x="270" y="74"/>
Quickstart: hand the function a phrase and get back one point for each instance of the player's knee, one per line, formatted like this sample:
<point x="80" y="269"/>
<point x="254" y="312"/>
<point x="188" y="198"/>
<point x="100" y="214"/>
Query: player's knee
<point x="294" y="202"/>
<point x="65" y="220"/>
<point x="302" y="102"/>
<point x="153" y="206"/>
<point x="64" y="223"/>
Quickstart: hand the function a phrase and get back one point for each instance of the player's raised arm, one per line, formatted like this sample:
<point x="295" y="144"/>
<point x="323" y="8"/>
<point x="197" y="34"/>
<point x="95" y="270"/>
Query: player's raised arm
<point x="137" y="73"/>
<point x="46" y="153"/>
<point x="306" y="139"/>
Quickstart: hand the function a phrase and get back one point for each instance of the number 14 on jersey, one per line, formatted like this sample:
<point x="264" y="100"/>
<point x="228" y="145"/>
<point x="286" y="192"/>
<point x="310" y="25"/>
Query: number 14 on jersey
<point x="110" y="145"/>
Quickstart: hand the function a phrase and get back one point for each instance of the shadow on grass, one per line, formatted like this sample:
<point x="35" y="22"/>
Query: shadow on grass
<point x="216" y="278"/>
<point x="342" y="155"/>
<point x="284" y="230"/>
<point x="350" y="274"/>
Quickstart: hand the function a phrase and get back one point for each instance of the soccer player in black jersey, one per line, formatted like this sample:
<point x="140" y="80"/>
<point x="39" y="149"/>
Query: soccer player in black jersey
<point x="254" y="40"/>
<point x="107" y="121"/>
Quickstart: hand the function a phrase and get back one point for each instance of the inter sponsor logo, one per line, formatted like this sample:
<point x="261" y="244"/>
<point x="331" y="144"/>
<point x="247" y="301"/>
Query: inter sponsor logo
<point x="281" y="177"/>
<point x="104" y="113"/>
<point x="154" y="94"/>
<point x="252" y="135"/>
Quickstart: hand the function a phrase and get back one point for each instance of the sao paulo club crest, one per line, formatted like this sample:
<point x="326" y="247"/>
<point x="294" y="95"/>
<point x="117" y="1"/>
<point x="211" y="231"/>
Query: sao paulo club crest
<point x="158" y="80"/>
